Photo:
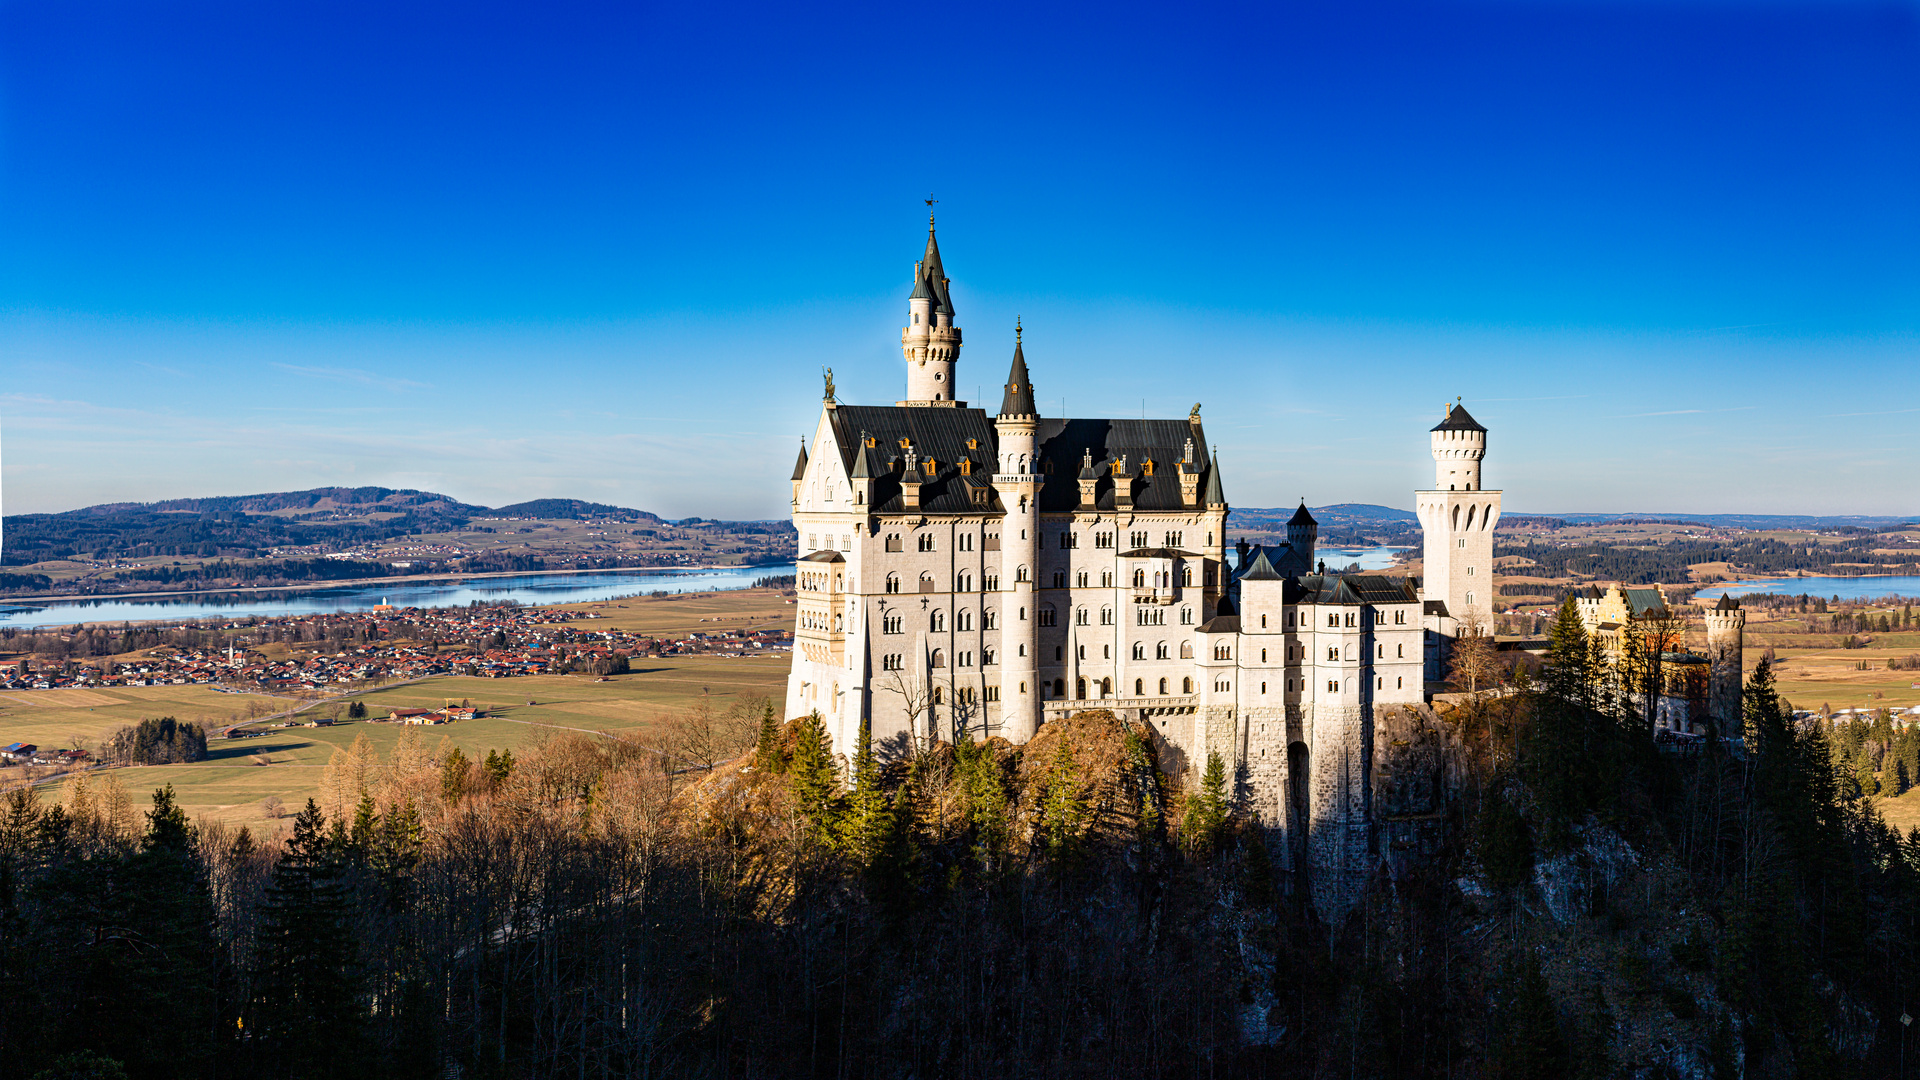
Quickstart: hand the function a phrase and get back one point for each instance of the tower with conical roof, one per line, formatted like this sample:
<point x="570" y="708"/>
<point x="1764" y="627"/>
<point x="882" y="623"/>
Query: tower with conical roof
<point x="1457" y="517"/>
<point x="930" y="341"/>
<point x="1302" y="531"/>
<point x="1726" y="624"/>
<point x="1017" y="481"/>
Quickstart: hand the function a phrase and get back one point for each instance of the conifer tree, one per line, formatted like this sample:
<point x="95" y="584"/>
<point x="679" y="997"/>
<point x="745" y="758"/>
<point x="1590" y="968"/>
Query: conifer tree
<point x="1063" y="809"/>
<point x="984" y="790"/>
<point x="768" y="755"/>
<point x="310" y="1015"/>
<point x="453" y="777"/>
<point x="1206" y="809"/>
<point x="815" y="786"/>
<point x="868" y="814"/>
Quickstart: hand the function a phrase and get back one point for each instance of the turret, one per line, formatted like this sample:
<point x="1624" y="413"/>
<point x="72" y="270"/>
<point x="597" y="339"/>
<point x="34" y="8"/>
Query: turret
<point x="1018" y="485"/>
<point x="799" y="470"/>
<point x="1726" y="625"/>
<point x="930" y="342"/>
<point x="1459" y="442"/>
<point x="1302" y="530"/>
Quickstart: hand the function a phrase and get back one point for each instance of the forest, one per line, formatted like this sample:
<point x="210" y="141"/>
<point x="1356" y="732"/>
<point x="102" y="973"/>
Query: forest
<point x="1670" y="561"/>
<point x="1583" y="905"/>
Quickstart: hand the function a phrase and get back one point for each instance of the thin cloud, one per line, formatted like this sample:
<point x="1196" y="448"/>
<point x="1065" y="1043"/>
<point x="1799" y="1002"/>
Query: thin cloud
<point x="352" y="375"/>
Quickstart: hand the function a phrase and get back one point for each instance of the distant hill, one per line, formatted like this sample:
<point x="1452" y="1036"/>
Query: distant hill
<point x="567" y="509"/>
<point x="1750" y="521"/>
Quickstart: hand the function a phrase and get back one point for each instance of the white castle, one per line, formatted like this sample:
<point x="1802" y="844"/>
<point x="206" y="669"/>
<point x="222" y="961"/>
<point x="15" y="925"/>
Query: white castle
<point x="989" y="573"/>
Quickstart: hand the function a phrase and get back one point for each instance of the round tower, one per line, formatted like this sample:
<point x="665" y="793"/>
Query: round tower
<point x="1726" y="626"/>
<point x="930" y="341"/>
<point x="1017" y="481"/>
<point x="1302" y="530"/>
<point x="1458" y="445"/>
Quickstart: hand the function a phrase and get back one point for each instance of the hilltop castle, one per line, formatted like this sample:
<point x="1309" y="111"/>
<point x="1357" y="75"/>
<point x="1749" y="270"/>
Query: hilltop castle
<point x="990" y="572"/>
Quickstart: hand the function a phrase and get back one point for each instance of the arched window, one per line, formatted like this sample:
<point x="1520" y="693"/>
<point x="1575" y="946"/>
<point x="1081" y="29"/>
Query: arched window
<point x="1106" y="616"/>
<point x="1186" y="650"/>
<point x="1139" y="650"/>
<point x="963" y="620"/>
<point x="1160" y="653"/>
<point x="1059" y="688"/>
<point x="1020" y="574"/>
<point x="1263" y="622"/>
<point x="1139" y="579"/>
<point x="939" y="658"/>
<point x="1163" y="688"/>
<point x="937" y="621"/>
<point x="1048" y="616"/>
<point x="926" y="583"/>
<point x="1139" y="688"/>
<point x="893" y="583"/>
<point x="1106" y="688"/>
<point x="1263" y="656"/>
<point x="1186" y="686"/>
<point x="1080" y="689"/>
<point x="926" y="541"/>
<point x="1080" y="617"/>
<point x="1186" y="575"/>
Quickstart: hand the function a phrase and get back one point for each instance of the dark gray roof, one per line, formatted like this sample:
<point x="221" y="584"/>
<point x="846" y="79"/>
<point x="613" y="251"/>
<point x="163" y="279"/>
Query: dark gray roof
<point x="800" y="467"/>
<point x="937" y="434"/>
<point x="1261" y="570"/>
<point x="1018" y="400"/>
<point x="920" y="289"/>
<point x="1458" y="420"/>
<point x="1358" y="589"/>
<point x="1301" y="517"/>
<point x="1434" y="607"/>
<point x="1158" y="553"/>
<point x="823" y="556"/>
<point x="1221" y="624"/>
<point x="936" y="275"/>
<point x="1213" y="495"/>
<point x="1727" y="603"/>
<point x="1065" y="445"/>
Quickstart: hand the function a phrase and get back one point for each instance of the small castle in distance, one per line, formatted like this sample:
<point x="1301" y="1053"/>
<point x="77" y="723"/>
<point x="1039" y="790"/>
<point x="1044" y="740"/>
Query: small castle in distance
<point x="987" y="573"/>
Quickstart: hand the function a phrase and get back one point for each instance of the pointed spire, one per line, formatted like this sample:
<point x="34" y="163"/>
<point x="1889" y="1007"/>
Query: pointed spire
<point x="1018" y="400"/>
<point x="1301" y="516"/>
<point x="860" y="469"/>
<point x="1214" y="496"/>
<point x="800" y="466"/>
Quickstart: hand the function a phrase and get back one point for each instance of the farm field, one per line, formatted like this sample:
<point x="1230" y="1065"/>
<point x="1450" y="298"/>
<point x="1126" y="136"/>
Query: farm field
<point x="288" y="762"/>
<point x="84" y="717"/>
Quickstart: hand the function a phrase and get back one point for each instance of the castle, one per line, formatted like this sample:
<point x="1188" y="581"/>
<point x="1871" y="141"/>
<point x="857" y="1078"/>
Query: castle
<point x="989" y="572"/>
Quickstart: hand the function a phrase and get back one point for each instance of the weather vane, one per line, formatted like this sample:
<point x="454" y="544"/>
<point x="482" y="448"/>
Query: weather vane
<point x="1016" y="329"/>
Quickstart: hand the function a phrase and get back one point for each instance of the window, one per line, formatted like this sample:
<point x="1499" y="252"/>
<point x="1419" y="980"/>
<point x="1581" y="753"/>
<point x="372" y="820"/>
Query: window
<point x="1081" y="652"/>
<point x="1056" y="652"/>
<point x="1186" y="575"/>
<point x="1103" y="540"/>
<point x="926" y="583"/>
<point x="966" y="541"/>
<point x="1289" y="620"/>
<point x="893" y="542"/>
<point x="1397" y="683"/>
<point x="1333" y="619"/>
<point x="1400" y="652"/>
<point x="1380" y="652"/>
<point x="963" y="659"/>
<point x="1080" y="579"/>
<point x="1186" y="686"/>
<point x="1463" y="542"/>
<point x="1209" y="575"/>
<point x="1080" y="617"/>
<point x="893" y="583"/>
<point x="890" y="662"/>
<point x="1139" y="650"/>
<point x="846" y="543"/>
<point x="989" y="620"/>
<point x="1263" y="656"/>
<point x="1263" y="622"/>
<point x="1137" y="538"/>
<point x="1106" y="687"/>
<point x="1067" y="540"/>
<point x="1175" y="539"/>
<point x="1048" y="616"/>
<point x="988" y="658"/>
<point x="1139" y="688"/>
<point x="990" y="582"/>
<point x="1163" y="688"/>
<point x="963" y="620"/>
<point x="939" y="659"/>
<point x="1400" y="617"/>
<point x="1186" y="616"/>
<point x="1333" y="686"/>
<point x="937" y="621"/>
<point x="963" y="583"/>
<point x="1059" y="579"/>
<point x="1263" y="689"/>
<point x="1080" y="689"/>
<point x="1059" y="688"/>
<point x="1139" y="579"/>
<point x="993" y="692"/>
<point x="1160" y="652"/>
<point x="1469" y="599"/>
<point x="1186" y="650"/>
<point x="1469" y="571"/>
<point x="1353" y="618"/>
<point x="813" y="541"/>
<point x="1020" y="573"/>
<point x="1106" y="579"/>
<point x="1380" y="683"/>
<point x="1106" y="616"/>
<point x="1223" y="652"/>
<point x="892" y="623"/>
<point x="1333" y="653"/>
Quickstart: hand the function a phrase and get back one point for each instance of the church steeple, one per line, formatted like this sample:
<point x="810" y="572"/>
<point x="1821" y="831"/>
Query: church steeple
<point x="930" y="342"/>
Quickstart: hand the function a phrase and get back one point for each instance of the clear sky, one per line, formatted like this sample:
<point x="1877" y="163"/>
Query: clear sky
<point x="1665" y="251"/>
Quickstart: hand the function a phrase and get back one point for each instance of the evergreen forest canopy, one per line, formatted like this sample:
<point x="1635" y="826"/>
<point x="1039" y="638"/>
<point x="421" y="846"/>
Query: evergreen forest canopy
<point x="1854" y="555"/>
<point x="1590" y="906"/>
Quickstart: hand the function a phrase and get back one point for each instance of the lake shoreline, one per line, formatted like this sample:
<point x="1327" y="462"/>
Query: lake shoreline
<point x="346" y="583"/>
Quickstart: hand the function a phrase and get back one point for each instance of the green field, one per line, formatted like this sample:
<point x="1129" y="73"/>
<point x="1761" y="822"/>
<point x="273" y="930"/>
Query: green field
<point x="68" y="718"/>
<point x="288" y="762"/>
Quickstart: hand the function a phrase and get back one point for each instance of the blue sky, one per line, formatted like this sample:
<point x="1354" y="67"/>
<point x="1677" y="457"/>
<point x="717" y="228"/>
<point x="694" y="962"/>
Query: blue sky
<point x="1667" y="252"/>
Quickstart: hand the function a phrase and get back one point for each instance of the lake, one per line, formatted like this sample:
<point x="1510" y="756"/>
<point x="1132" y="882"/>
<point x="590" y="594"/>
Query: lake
<point x="1846" y="588"/>
<point x="531" y="589"/>
<point x="450" y="592"/>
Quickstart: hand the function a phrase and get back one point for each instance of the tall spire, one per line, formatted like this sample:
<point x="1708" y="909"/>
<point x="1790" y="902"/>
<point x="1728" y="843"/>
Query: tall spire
<point x="1214" y="495"/>
<point x="1018" y="400"/>
<point x="930" y="342"/>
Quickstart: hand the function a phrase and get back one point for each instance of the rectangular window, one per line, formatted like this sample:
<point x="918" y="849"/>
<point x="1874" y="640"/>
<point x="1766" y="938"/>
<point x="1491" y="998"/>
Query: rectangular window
<point x="993" y="693"/>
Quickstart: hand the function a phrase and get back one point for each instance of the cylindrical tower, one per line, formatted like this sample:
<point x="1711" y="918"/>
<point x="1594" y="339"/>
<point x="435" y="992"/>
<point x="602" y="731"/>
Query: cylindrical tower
<point x="1302" y="531"/>
<point x="1017" y="481"/>
<point x="1458" y="445"/>
<point x="930" y="342"/>
<point x="1726" y="626"/>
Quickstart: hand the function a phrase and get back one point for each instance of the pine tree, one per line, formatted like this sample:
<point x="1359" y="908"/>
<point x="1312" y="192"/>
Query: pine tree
<point x="1063" y="810"/>
<point x="453" y="777"/>
<point x="868" y="814"/>
<point x="768" y="755"/>
<point x="984" y="789"/>
<point x="815" y="786"/>
<point x="1206" y="809"/>
<point x="310" y="1014"/>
